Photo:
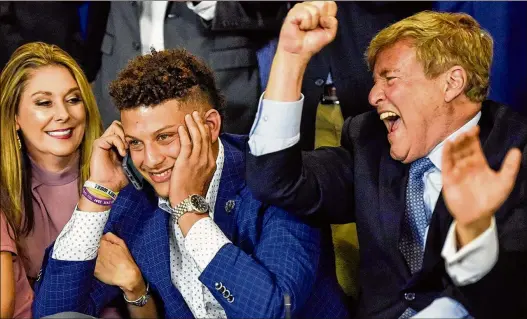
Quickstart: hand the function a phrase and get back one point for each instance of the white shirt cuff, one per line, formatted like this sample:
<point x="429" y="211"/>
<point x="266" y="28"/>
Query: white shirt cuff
<point x="276" y="127"/>
<point x="79" y="240"/>
<point x="205" y="9"/>
<point x="443" y="308"/>
<point x="203" y="241"/>
<point x="473" y="261"/>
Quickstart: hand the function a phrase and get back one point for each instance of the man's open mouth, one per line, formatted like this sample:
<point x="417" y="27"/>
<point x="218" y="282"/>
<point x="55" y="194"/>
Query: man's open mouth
<point x="391" y="120"/>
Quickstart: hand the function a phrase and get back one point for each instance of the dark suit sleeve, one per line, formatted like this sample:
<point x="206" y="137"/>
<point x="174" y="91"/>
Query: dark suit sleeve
<point x="70" y="286"/>
<point x="249" y="16"/>
<point x="284" y="260"/>
<point x="316" y="183"/>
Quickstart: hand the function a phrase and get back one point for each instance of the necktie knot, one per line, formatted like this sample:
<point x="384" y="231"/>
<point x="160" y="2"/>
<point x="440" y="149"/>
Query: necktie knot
<point x="419" y="167"/>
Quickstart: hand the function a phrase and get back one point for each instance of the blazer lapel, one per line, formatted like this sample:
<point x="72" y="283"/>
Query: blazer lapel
<point x="393" y="177"/>
<point x="155" y="248"/>
<point x="232" y="180"/>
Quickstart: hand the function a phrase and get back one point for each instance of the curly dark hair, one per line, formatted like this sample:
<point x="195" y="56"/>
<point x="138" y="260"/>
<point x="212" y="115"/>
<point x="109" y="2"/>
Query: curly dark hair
<point x="151" y="79"/>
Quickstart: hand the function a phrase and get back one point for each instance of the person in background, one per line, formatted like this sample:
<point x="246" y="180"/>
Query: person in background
<point x="442" y="227"/>
<point x="17" y="295"/>
<point x="193" y="237"/>
<point x="55" y="22"/>
<point x="226" y="34"/>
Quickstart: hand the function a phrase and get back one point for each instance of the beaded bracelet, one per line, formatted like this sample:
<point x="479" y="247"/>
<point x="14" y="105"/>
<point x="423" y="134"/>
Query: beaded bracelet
<point x="96" y="200"/>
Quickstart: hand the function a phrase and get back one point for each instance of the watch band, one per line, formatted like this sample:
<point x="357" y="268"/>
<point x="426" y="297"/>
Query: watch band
<point x="181" y="209"/>
<point x="141" y="301"/>
<point x="193" y="203"/>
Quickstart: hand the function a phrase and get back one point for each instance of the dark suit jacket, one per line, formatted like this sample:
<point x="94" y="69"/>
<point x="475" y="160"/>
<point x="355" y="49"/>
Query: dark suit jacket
<point x="360" y="182"/>
<point x="272" y="253"/>
<point x="359" y="22"/>
<point x="227" y="44"/>
<point x="54" y="22"/>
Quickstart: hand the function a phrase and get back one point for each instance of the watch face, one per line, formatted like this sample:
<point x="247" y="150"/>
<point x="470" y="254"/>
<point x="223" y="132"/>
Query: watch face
<point x="199" y="204"/>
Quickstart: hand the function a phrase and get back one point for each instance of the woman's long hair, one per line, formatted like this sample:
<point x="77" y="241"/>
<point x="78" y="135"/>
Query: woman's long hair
<point x="15" y="165"/>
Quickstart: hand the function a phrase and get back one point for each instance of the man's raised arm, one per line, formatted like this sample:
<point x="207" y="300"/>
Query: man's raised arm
<point x="276" y="170"/>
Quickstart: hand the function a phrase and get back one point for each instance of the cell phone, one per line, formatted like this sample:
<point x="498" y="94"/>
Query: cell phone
<point x="131" y="172"/>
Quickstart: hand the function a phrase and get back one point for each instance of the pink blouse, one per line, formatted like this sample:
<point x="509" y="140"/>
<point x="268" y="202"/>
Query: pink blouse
<point x="23" y="292"/>
<point x="55" y="196"/>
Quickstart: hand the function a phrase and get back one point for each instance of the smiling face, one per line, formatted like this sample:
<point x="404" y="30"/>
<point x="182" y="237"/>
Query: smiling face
<point x="153" y="139"/>
<point x="411" y="105"/>
<point x="51" y="114"/>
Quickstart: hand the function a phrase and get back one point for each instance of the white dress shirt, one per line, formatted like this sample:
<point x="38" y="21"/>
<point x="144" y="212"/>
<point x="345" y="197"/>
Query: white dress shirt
<point x="277" y="127"/>
<point x="189" y="256"/>
<point x="152" y="21"/>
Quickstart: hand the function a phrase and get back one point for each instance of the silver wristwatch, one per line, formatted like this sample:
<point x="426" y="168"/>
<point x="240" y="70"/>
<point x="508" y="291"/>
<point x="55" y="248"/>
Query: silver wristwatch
<point x="193" y="203"/>
<point x="141" y="301"/>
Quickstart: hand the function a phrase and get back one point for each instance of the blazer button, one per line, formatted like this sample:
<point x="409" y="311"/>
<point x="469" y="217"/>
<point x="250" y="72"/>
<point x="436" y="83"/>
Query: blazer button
<point x="230" y="299"/>
<point x="226" y="294"/>
<point x="218" y="285"/>
<point x="136" y="45"/>
<point x="409" y="296"/>
<point x="319" y="82"/>
<point x="229" y="206"/>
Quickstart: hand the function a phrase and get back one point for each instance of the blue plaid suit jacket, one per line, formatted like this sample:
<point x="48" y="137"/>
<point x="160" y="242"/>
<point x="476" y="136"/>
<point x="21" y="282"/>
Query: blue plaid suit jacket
<point x="272" y="253"/>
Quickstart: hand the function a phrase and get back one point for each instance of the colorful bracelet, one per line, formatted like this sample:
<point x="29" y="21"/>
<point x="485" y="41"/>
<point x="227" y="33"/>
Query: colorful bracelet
<point x="109" y="192"/>
<point x="99" y="193"/>
<point x="96" y="200"/>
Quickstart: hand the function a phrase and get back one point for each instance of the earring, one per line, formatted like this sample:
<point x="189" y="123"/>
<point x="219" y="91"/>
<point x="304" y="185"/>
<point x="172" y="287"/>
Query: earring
<point x="18" y="141"/>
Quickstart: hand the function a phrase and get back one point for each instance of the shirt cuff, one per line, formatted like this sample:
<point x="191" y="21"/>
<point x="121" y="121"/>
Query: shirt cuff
<point x="79" y="240"/>
<point x="203" y="241"/>
<point x="473" y="261"/>
<point x="443" y="308"/>
<point x="205" y="9"/>
<point x="276" y="127"/>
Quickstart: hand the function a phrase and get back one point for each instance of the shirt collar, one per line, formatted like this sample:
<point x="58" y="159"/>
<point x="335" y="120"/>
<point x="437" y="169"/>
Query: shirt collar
<point x="436" y="155"/>
<point x="212" y="192"/>
<point x="40" y="176"/>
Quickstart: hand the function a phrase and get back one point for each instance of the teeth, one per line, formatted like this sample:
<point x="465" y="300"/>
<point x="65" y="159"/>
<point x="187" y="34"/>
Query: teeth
<point x="165" y="173"/>
<point x="60" y="133"/>
<point x="386" y="115"/>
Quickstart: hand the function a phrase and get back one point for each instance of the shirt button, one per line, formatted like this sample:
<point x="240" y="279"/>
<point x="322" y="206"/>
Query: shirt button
<point x="136" y="45"/>
<point x="409" y="296"/>
<point x="319" y="82"/>
<point x="265" y="118"/>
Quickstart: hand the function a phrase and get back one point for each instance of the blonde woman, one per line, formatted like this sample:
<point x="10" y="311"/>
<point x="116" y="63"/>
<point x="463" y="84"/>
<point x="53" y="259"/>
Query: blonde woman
<point x="49" y="120"/>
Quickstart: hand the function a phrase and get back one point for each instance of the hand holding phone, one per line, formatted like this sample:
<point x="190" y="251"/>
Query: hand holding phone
<point x="107" y="153"/>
